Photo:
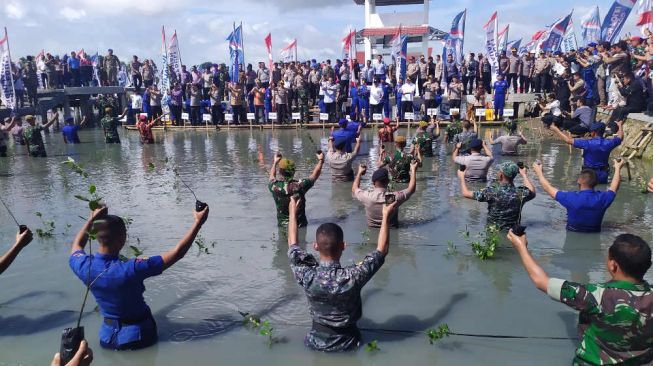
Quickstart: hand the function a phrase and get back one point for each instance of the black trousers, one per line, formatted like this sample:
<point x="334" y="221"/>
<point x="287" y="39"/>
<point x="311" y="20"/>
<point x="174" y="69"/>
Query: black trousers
<point x="195" y="117"/>
<point x="282" y="113"/>
<point x="406" y="107"/>
<point x="217" y="114"/>
<point x="176" y="113"/>
<point x="331" y="110"/>
<point x="237" y="111"/>
<point x="468" y="84"/>
<point x="525" y="83"/>
<point x="539" y="83"/>
<point x="512" y="80"/>
<point x="487" y="82"/>
<point x="259" y="114"/>
<point x="137" y="80"/>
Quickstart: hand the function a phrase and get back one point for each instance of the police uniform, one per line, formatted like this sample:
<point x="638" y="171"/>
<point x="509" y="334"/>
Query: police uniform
<point x="500" y="91"/>
<point x="333" y="294"/>
<point x="118" y="290"/>
<point x="110" y="126"/>
<point x="596" y="154"/>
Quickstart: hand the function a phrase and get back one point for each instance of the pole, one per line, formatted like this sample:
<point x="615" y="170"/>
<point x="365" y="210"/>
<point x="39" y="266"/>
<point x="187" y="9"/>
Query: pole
<point x="11" y="75"/>
<point x="295" y="50"/>
<point x="178" y="51"/>
<point x="242" y="40"/>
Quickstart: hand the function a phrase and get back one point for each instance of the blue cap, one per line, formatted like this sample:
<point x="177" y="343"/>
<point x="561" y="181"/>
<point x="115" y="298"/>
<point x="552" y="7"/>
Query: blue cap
<point x="69" y="119"/>
<point x="581" y="49"/>
<point x="379" y="174"/>
<point x="592" y="44"/>
<point x="342" y="122"/>
<point x="557" y="53"/>
<point x="475" y="144"/>
<point x="597" y="127"/>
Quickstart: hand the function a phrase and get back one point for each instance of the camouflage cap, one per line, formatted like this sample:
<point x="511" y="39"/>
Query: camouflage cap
<point x="29" y="117"/>
<point x="423" y="124"/>
<point x="287" y="165"/>
<point x="509" y="169"/>
<point x="400" y="139"/>
<point x="108" y="110"/>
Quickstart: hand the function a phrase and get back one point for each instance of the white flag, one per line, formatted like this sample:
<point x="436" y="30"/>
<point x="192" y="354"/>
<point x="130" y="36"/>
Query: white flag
<point x="8" y="94"/>
<point x="569" y="41"/>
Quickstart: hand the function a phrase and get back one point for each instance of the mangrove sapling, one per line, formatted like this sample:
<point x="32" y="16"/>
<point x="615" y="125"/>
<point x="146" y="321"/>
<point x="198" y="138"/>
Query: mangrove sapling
<point x="264" y="328"/>
<point x="202" y="246"/>
<point x="372" y="346"/>
<point x="268" y="332"/>
<point x="440" y="332"/>
<point x="48" y="227"/>
<point x="366" y="236"/>
<point x="452" y="250"/>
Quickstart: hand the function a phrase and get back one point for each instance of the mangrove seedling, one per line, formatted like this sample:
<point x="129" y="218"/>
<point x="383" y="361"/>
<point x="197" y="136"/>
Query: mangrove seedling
<point x="452" y="250"/>
<point x="268" y="332"/>
<point x="136" y="251"/>
<point x="48" y="227"/>
<point x="202" y="246"/>
<point x="151" y="167"/>
<point x="93" y="199"/>
<point x="440" y="332"/>
<point x="372" y="346"/>
<point x="366" y="236"/>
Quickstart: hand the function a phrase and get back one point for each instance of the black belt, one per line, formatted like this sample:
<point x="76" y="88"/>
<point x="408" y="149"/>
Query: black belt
<point x="604" y="168"/>
<point x="119" y="322"/>
<point x="351" y="330"/>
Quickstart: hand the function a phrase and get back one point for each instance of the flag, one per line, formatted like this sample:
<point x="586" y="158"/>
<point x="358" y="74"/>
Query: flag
<point x="399" y="53"/>
<point x="236" y="51"/>
<point x="289" y="53"/>
<point x="8" y="95"/>
<point x="569" y="40"/>
<point x="502" y="38"/>
<point x="454" y="42"/>
<point x="268" y="45"/>
<point x="516" y="44"/>
<point x="645" y="15"/>
<point x="165" y="76"/>
<point x="81" y="54"/>
<point x="556" y="34"/>
<point x="39" y="58"/>
<point x="174" y="57"/>
<point x="615" y="19"/>
<point x="491" y="42"/>
<point x="348" y="44"/>
<point x="96" y="73"/>
<point x="590" y="27"/>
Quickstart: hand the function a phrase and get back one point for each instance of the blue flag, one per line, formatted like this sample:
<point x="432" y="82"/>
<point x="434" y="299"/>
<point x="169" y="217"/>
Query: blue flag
<point x="615" y="19"/>
<point x="556" y="34"/>
<point x="235" y="52"/>
<point x="590" y="27"/>
<point x="400" y="54"/>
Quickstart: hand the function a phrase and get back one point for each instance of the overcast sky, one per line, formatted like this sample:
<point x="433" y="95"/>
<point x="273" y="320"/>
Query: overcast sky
<point x="134" y="26"/>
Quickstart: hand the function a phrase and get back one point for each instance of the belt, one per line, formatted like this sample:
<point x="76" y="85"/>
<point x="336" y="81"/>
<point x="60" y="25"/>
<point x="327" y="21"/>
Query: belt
<point x="351" y="331"/>
<point x="603" y="168"/>
<point x="119" y="322"/>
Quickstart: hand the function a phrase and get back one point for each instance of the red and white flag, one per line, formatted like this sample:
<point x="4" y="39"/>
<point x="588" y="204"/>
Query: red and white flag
<point x="502" y="38"/>
<point x="81" y="54"/>
<point x="290" y="52"/>
<point x="645" y="15"/>
<point x="348" y="44"/>
<point x="268" y="45"/>
<point x="491" y="42"/>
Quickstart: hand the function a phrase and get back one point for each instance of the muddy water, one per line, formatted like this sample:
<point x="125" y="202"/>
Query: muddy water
<point x="423" y="283"/>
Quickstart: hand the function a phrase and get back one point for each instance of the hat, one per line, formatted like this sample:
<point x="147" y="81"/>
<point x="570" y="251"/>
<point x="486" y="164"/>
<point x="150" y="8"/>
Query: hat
<point x="509" y="169"/>
<point x="592" y="44"/>
<point x="597" y="127"/>
<point x="400" y="139"/>
<point x="636" y="38"/>
<point x="109" y="50"/>
<point x="342" y="122"/>
<point x="557" y="53"/>
<point x="380" y="174"/>
<point x="108" y="110"/>
<point x="423" y="124"/>
<point x="581" y="49"/>
<point x="142" y="117"/>
<point x="386" y="121"/>
<point x="29" y="117"/>
<point x="475" y="144"/>
<point x="287" y="165"/>
<point x="69" y="119"/>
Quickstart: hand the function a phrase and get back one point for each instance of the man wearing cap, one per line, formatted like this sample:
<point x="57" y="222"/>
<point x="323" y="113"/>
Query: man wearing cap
<point x="340" y="161"/>
<point x="596" y="150"/>
<point x="387" y="132"/>
<point x="145" y="129"/>
<point x="510" y="142"/>
<point x="6" y="126"/>
<point x="617" y="62"/>
<point x="505" y="201"/>
<point x="541" y="68"/>
<point x="286" y="187"/>
<point x="399" y="162"/>
<point x="345" y="133"/>
<point x="69" y="131"/>
<point x="469" y="133"/>
<point x="500" y="96"/>
<point x="632" y="91"/>
<point x="476" y="164"/>
<point x="110" y="126"/>
<point x="111" y="65"/>
<point x="585" y="207"/>
<point x="374" y="199"/>
<point x="526" y="72"/>
<point x="33" y="137"/>
<point x="423" y="141"/>
<point x="513" y="69"/>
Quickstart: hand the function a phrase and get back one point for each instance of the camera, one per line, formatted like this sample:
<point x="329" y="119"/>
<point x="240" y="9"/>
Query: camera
<point x="390" y="198"/>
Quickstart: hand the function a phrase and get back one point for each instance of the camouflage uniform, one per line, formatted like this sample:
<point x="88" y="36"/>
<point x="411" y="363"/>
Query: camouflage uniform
<point x="110" y="126"/>
<point x="282" y="191"/>
<point x="302" y="96"/>
<point x="107" y="101"/>
<point x="334" y="298"/>
<point x="615" y="324"/>
<point x="34" y="140"/>
<point x="399" y="166"/>
<point x="424" y="141"/>
<point x="505" y="202"/>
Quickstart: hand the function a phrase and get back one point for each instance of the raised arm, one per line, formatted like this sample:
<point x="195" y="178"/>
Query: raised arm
<point x="383" y="244"/>
<point x="456" y="151"/>
<point x="357" y="180"/>
<point x="273" y="168"/>
<point x="488" y="150"/>
<point x="179" y="251"/>
<point x="82" y="235"/>
<point x="331" y="148"/>
<point x="535" y="272"/>
<point x="616" y="179"/>
<point x="318" y="167"/>
<point x="548" y="188"/>
<point x="357" y="147"/>
<point x="55" y="118"/>
<point x="527" y="182"/>
<point x="292" y="220"/>
<point x="21" y="242"/>
<point x="564" y="137"/>
<point x="463" y="185"/>
<point x="412" y="184"/>
<point x="621" y="132"/>
<point x="9" y="126"/>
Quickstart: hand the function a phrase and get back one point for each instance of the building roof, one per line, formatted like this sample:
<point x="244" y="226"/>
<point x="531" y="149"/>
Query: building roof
<point x="392" y="2"/>
<point x="388" y="31"/>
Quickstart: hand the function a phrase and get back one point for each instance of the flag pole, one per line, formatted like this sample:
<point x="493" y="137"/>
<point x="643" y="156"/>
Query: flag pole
<point x="295" y="50"/>
<point x="11" y="75"/>
<point x="242" y="40"/>
<point x="178" y="51"/>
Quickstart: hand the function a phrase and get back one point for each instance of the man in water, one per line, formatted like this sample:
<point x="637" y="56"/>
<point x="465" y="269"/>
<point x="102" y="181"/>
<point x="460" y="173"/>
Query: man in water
<point x="346" y="133"/>
<point x="387" y="132"/>
<point x="333" y="291"/>
<point x="33" y="137"/>
<point x="398" y="162"/>
<point x="470" y="132"/>
<point x="476" y="164"/>
<point x="510" y="143"/>
<point x="286" y="187"/>
<point x="22" y="239"/>
<point x="585" y="207"/>
<point x="615" y="323"/>
<point x="374" y="199"/>
<point x="69" y="131"/>
<point x="110" y="126"/>
<point x="145" y="128"/>
<point x="6" y="126"/>
<point x="505" y="201"/>
<point x="423" y="141"/>
<point x="340" y="161"/>
<point x="118" y="285"/>
<point x="596" y="150"/>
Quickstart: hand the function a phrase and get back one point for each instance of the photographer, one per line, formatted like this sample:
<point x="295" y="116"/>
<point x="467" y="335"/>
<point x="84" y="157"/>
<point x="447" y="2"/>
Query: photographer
<point x="632" y="90"/>
<point x="578" y="122"/>
<point x="551" y="113"/>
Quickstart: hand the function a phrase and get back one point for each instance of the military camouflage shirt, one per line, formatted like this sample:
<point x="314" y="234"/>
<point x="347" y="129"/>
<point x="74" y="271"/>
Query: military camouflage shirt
<point x="505" y="202"/>
<point x="34" y="140"/>
<point x="424" y="141"/>
<point x="615" y="324"/>
<point x="334" y="297"/>
<point x="399" y="166"/>
<point x="282" y="191"/>
<point x="110" y="127"/>
<point x="464" y="138"/>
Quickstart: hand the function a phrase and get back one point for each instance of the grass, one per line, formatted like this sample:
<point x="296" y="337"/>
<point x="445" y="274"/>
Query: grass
<point x="438" y="333"/>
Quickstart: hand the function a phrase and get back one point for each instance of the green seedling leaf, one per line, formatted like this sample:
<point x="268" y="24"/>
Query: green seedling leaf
<point x="94" y="205"/>
<point x="38" y="214"/>
<point x="82" y="198"/>
<point x="151" y="167"/>
<point x="92" y="188"/>
<point x="372" y="346"/>
<point x="136" y="251"/>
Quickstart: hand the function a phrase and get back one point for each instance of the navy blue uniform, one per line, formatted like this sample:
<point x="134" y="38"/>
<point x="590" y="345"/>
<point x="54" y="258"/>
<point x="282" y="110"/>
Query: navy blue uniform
<point x="118" y="289"/>
<point x="596" y="155"/>
<point x="500" y="91"/>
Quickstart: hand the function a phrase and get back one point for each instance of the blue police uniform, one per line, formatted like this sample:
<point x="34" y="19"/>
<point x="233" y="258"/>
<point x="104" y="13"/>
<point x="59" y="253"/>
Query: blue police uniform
<point x="363" y="100"/>
<point x="596" y="155"/>
<point x="118" y="289"/>
<point x="398" y="95"/>
<point x="386" y="99"/>
<point x="267" y="102"/>
<point x="353" y="94"/>
<point x="500" y="90"/>
<point x="70" y="132"/>
<point x="348" y="135"/>
<point x="585" y="209"/>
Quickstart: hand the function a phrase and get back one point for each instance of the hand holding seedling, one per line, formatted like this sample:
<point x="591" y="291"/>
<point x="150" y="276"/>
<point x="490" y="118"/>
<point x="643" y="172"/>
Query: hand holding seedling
<point x="619" y="163"/>
<point x="537" y="167"/>
<point x="83" y="357"/>
<point x="98" y="213"/>
<point x="24" y="238"/>
<point x="519" y="242"/>
<point x="201" y="216"/>
<point x="320" y="156"/>
<point x="362" y="169"/>
<point x="277" y="158"/>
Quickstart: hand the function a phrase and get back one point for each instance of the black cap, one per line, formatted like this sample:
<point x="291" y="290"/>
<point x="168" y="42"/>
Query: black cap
<point x="379" y="174"/>
<point x="475" y="144"/>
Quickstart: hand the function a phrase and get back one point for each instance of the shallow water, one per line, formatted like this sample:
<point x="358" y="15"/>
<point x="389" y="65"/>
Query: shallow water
<point x="196" y="302"/>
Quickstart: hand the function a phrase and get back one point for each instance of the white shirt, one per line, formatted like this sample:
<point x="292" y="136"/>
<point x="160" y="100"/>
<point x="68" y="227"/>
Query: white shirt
<point x="376" y="95"/>
<point x="554" y="108"/>
<point x="137" y="101"/>
<point x="329" y="93"/>
<point x="407" y="92"/>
